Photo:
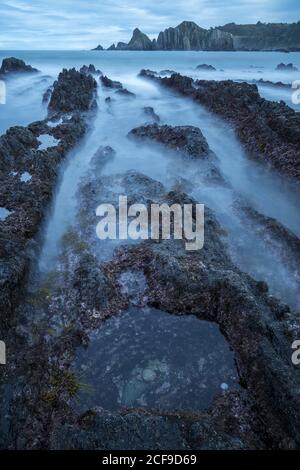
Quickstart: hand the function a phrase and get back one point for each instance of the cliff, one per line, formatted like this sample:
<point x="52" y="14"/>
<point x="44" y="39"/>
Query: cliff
<point x="98" y="48"/>
<point x="140" y="42"/>
<point x="264" y="36"/>
<point x="188" y="36"/>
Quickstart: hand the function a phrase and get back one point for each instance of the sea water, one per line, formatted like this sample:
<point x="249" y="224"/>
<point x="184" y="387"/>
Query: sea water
<point x="24" y="104"/>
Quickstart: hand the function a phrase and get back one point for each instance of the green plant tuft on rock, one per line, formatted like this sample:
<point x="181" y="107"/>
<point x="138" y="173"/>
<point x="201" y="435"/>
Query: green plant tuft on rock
<point x="41" y="296"/>
<point x="64" y="382"/>
<point x="72" y="240"/>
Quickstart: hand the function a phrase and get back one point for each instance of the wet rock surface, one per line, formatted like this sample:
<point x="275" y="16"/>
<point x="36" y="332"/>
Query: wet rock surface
<point x="151" y="114"/>
<point x="47" y="95"/>
<point x="205" y="284"/>
<point x="126" y="93"/>
<point x="108" y="83"/>
<point x="211" y="288"/>
<point x="74" y="301"/>
<point x="166" y="72"/>
<point x="91" y="69"/>
<point x="118" y="86"/>
<point x="269" y="130"/>
<point x="284" y="240"/>
<point x="205" y="68"/>
<point x="73" y="91"/>
<point x="19" y="152"/>
<point x="208" y="285"/>
<point x="49" y="393"/>
<point x="286" y="67"/>
<point x="87" y="289"/>
<point x="213" y="430"/>
<point x="186" y="139"/>
<point x="261" y="81"/>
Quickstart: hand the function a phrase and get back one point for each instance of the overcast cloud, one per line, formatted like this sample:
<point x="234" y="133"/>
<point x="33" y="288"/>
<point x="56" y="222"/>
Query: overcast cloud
<point x="82" y="24"/>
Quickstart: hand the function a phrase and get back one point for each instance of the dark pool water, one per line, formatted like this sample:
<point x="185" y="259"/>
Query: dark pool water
<point x="152" y="359"/>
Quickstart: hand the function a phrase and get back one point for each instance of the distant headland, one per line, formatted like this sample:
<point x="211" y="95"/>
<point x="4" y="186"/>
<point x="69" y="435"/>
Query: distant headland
<point x="188" y="36"/>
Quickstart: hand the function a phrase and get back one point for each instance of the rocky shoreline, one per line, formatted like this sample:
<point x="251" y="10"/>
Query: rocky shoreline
<point x="15" y="66"/>
<point x="47" y="320"/>
<point x="188" y="36"/>
<point x="268" y="130"/>
<point x="22" y="151"/>
<point x="88" y="292"/>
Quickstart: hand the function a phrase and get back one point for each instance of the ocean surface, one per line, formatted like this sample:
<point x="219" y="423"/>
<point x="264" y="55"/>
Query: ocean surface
<point x="23" y="93"/>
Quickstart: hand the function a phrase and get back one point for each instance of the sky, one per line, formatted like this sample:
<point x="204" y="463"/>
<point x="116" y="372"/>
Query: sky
<point x="83" y="24"/>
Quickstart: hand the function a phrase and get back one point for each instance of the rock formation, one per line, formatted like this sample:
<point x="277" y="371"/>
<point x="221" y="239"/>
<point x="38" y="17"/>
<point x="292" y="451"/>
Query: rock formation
<point x="72" y="91"/>
<point x="108" y="83"/>
<point x="264" y="36"/>
<point x="90" y="70"/>
<point x="286" y="67"/>
<point x="126" y="93"/>
<point x="140" y="42"/>
<point x="20" y="151"/>
<point x="189" y="36"/>
<point x="184" y="139"/>
<point x="12" y="65"/>
<point x="98" y="48"/>
<point x="274" y="138"/>
<point x="62" y="313"/>
<point x="206" y="68"/>
<point x="151" y="114"/>
<point x="206" y="284"/>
